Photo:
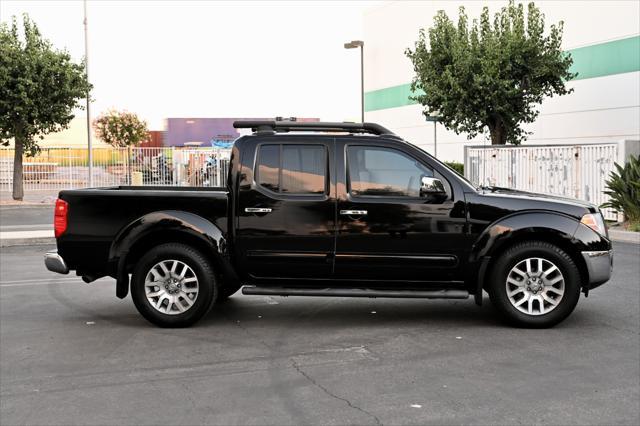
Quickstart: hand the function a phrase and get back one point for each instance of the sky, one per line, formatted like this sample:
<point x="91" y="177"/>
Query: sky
<point x="211" y="58"/>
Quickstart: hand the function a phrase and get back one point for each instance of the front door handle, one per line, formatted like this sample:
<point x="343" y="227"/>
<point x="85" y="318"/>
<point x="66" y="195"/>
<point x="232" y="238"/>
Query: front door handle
<point x="257" y="210"/>
<point x="353" y="212"/>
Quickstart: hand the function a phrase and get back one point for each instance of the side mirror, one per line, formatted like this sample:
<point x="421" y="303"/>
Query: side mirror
<point x="433" y="188"/>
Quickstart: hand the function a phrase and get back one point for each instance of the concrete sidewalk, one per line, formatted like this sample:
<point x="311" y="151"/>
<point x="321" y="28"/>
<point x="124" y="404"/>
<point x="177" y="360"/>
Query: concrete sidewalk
<point x="21" y="225"/>
<point x="31" y="198"/>
<point x="21" y="238"/>
<point x="624" y="236"/>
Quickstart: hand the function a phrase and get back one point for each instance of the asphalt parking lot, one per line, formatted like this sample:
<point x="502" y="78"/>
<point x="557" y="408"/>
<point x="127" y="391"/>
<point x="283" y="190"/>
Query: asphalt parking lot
<point x="72" y="353"/>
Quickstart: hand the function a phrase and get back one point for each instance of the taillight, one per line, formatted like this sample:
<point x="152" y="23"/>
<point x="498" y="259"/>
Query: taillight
<point x="60" y="217"/>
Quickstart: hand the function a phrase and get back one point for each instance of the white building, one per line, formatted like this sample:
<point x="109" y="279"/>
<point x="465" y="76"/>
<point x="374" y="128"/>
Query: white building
<point x="602" y="36"/>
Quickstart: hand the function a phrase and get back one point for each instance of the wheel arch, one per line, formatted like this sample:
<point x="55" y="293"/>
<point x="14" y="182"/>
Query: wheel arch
<point x="166" y="227"/>
<point x="552" y="228"/>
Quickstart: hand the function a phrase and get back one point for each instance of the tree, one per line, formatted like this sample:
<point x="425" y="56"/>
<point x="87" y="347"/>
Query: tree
<point x="39" y="89"/>
<point x="490" y="75"/>
<point x="120" y="128"/>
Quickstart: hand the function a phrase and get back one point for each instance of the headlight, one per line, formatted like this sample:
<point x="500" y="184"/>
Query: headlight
<point x="595" y="222"/>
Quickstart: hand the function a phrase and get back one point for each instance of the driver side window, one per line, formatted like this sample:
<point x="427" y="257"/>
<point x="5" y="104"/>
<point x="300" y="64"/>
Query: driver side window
<point x="378" y="171"/>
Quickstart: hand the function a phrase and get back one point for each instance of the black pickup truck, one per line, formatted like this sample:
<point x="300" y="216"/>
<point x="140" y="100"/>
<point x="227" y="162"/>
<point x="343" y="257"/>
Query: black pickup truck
<point x="333" y="209"/>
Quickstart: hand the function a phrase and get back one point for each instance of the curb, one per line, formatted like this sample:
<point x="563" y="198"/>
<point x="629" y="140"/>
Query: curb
<point x="25" y="204"/>
<point x="26" y="242"/>
<point x="624" y="236"/>
<point x="22" y="238"/>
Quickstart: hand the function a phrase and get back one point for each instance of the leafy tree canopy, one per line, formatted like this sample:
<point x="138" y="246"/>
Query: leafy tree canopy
<point x="491" y="74"/>
<point x="39" y="86"/>
<point x="39" y="89"/>
<point x="120" y="128"/>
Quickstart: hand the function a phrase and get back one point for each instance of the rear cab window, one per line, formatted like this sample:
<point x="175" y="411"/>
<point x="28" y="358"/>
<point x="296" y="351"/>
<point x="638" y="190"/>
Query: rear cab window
<point x="292" y="169"/>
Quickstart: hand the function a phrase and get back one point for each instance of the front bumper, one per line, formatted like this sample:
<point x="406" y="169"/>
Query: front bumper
<point x="599" y="266"/>
<point x="54" y="262"/>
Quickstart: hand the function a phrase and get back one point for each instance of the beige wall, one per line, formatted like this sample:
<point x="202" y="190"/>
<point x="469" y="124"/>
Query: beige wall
<point x="74" y="136"/>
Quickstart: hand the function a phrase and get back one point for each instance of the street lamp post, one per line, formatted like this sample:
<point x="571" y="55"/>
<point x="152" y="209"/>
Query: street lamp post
<point x="352" y="45"/>
<point x="86" y="64"/>
<point x="434" y="117"/>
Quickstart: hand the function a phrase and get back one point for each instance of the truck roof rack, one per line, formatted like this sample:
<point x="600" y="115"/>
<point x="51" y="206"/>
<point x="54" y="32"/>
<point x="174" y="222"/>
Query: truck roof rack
<point x="278" y="126"/>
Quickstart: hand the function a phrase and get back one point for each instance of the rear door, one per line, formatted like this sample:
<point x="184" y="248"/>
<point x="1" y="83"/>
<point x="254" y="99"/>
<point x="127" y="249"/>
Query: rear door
<point x="286" y="210"/>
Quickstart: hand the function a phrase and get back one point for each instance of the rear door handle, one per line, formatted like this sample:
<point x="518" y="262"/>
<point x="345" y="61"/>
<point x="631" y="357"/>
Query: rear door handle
<point x="257" y="210"/>
<point x="353" y="212"/>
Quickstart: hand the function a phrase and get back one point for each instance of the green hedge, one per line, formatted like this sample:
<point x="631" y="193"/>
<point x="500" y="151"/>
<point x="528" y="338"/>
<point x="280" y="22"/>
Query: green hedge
<point x="458" y="167"/>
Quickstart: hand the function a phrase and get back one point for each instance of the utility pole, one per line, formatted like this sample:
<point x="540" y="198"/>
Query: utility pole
<point x="362" y="81"/>
<point x="435" y="138"/>
<point x="352" y="45"/>
<point x="86" y="64"/>
<point x="435" y="117"/>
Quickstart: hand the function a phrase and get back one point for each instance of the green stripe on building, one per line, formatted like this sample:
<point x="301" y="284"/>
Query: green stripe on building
<point x="598" y="60"/>
<point x="613" y="57"/>
<point x="389" y="97"/>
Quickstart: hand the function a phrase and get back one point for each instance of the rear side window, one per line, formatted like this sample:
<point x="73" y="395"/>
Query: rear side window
<point x="292" y="169"/>
<point x="269" y="167"/>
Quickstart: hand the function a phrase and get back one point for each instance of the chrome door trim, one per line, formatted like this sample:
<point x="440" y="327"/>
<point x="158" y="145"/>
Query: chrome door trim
<point x="353" y="212"/>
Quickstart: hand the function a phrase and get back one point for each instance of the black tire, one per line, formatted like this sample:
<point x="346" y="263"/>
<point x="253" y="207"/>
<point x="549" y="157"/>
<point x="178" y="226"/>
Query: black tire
<point x="227" y="291"/>
<point x="497" y="285"/>
<point x="200" y="266"/>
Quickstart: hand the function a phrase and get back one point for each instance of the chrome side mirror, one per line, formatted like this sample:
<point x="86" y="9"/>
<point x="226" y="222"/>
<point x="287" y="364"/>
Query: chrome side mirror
<point x="431" y="185"/>
<point x="433" y="189"/>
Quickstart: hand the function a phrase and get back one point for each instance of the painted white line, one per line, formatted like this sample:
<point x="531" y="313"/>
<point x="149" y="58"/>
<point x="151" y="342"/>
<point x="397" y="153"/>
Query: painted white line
<point x="26" y="234"/>
<point x="40" y="282"/>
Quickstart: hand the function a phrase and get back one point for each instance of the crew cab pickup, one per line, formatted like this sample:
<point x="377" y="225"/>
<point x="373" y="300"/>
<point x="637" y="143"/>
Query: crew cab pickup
<point x="333" y="209"/>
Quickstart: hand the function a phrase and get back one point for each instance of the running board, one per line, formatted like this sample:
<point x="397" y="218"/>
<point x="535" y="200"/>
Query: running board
<point x="355" y="292"/>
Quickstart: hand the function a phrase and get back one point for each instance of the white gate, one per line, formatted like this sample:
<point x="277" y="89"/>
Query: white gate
<point x="573" y="171"/>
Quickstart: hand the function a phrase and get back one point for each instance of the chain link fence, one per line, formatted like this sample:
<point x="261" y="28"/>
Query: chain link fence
<point x="67" y="168"/>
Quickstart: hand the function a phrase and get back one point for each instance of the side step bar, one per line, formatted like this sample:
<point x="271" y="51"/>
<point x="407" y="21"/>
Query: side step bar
<point x="355" y="292"/>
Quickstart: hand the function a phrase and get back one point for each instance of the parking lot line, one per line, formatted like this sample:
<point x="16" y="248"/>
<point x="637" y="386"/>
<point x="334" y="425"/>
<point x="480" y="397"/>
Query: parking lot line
<point x="21" y="283"/>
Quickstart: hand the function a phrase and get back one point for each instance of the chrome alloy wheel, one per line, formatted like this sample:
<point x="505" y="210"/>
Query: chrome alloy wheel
<point x="535" y="286"/>
<point x="171" y="287"/>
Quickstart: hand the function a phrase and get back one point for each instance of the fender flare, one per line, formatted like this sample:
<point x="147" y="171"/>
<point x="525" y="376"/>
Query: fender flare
<point x="175" y="221"/>
<point x="515" y="226"/>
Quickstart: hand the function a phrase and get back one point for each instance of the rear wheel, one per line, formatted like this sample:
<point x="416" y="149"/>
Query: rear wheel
<point x="173" y="285"/>
<point x="535" y="284"/>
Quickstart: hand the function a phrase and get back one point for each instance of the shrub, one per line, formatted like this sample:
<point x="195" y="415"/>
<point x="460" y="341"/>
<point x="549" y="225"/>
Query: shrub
<point x="624" y="190"/>
<point x="458" y="167"/>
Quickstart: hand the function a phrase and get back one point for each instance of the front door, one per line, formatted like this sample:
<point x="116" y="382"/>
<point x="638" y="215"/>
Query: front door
<point x="286" y="213"/>
<point x="387" y="229"/>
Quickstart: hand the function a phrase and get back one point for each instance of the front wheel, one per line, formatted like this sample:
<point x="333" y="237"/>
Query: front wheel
<point x="534" y="284"/>
<point x="173" y="285"/>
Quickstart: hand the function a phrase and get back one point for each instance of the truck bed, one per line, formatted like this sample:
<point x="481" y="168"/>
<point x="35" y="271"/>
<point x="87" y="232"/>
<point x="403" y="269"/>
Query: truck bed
<point x="97" y="215"/>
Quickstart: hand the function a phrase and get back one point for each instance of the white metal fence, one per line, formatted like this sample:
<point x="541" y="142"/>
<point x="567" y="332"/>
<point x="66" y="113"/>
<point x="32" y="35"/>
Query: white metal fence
<point x="573" y="171"/>
<point x="63" y="168"/>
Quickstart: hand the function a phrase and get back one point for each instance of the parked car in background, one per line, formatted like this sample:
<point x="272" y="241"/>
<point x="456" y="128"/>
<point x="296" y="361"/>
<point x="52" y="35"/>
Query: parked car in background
<point x="333" y="209"/>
